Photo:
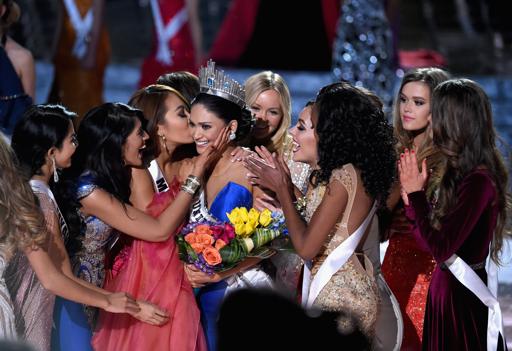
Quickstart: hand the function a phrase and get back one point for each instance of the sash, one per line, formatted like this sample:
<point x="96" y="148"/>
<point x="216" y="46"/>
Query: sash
<point x="336" y="259"/>
<point x="166" y="32"/>
<point x="487" y="294"/>
<point x="82" y="27"/>
<point x="40" y="187"/>
<point x="158" y="178"/>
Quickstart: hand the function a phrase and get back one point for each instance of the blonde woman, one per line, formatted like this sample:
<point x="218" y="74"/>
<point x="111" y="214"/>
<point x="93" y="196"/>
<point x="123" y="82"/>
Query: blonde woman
<point x="268" y="98"/>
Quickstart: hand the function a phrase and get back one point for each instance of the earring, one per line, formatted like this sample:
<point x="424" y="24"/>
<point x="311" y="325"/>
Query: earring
<point x="163" y="141"/>
<point x="232" y="135"/>
<point x="55" y="174"/>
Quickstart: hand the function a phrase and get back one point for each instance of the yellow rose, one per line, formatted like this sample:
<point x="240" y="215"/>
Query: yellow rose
<point x="265" y="217"/>
<point x="239" y="228"/>
<point x="249" y="227"/>
<point x="254" y="214"/>
<point x="234" y="216"/>
<point x="244" y="215"/>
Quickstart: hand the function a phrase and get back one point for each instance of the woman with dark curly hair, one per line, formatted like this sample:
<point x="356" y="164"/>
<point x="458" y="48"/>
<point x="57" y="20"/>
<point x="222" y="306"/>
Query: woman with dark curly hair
<point x="349" y="145"/>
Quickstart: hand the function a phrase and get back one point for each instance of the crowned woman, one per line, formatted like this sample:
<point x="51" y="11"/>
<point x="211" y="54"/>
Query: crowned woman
<point x="220" y="104"/>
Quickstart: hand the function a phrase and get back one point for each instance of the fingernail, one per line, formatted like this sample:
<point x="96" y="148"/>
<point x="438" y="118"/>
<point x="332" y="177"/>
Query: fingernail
<point x="402" y="155"/>
<point x="412" y="151"/>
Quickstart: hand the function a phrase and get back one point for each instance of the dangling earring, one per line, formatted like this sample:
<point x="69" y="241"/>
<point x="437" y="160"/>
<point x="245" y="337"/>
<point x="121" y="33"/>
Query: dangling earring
<point x="55" y="174"/>
<point x="163" y="141"/>
<point x="232" y="135"/>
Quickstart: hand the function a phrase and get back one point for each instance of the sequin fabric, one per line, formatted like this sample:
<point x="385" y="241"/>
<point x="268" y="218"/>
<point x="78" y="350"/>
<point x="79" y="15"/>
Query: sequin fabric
<point x="408" y="268"/>
<point x="33" y="304"/>
<point x="7" y="324"/>
<point x="352" y="290"/>
<point x="286" y="263"/>
<point x="89" y="263"/>
<point x="363" y="52"/>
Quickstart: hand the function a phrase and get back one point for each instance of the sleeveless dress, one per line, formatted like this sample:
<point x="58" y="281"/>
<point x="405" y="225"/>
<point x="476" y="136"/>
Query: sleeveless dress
<point x="286" y="265"/>
<point x="13" y="99"/>
<point x="407" y="268"/>
<point x="74" y="321"/>
<point x="352" y="290"/>
<point x="33" y="304"/>
<point x="153" y="272"/>
<point x="7" y="321"/>
<point x="211" y="296"/>
<point x="181" y="45"/>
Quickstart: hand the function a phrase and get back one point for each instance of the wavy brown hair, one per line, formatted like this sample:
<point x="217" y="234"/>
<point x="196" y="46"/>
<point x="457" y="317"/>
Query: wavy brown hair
<point x="431" y="77"/>
<point x="21" y="220"/>
<point x="465" y="135"/>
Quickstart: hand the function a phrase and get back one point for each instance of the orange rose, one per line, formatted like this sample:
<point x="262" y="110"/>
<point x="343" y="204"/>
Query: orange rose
<point x="203" y="229"/>
<point x="205" y="239"/>
<point x="212" y="256"/>
<point x="197" y="247"/>
<point x="219" y="244"/>
<point x="191" y="238"/>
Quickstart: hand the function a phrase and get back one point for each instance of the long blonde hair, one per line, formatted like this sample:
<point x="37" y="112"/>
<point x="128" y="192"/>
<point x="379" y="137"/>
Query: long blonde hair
<point x="21" y="220"/>
<point x="268" y="80"/>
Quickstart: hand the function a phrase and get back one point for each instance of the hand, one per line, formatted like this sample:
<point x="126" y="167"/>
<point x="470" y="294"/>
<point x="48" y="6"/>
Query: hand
<point x="411" y="179"/>
<point x="212" y="153"/>
<point x="239" y="153"/>
<point x="264" y="201"/>
<point x="275" y="177"/>
<point x="121" y="303"/>
<point x="266" y="156"/>
<point x="151" y="314"/>
<point x="198" y="278"/>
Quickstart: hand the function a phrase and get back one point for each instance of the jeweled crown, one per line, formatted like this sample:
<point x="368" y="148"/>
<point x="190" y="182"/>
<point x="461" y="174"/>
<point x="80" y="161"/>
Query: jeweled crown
<point x="216" y="82"/>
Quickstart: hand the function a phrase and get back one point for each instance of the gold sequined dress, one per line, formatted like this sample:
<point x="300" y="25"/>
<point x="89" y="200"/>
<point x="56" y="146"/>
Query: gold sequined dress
<point x="352" y="290"/>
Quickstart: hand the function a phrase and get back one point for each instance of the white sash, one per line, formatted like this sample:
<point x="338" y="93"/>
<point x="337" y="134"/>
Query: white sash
<point x="82" y="27"/>
<point x="166" y="32"/>
<point x="158" y="178"/>
<point x="332" y="263"/>
<point x="487" y="294"/>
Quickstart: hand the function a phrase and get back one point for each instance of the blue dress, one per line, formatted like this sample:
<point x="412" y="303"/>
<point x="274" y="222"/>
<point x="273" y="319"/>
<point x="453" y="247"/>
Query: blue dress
<point x="211" y="296"/>
<point x="13" y="100"/>
<point x="74" y="322"/>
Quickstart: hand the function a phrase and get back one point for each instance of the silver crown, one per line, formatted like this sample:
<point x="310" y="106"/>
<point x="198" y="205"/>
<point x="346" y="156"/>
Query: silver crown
<point x="216" y="82"/>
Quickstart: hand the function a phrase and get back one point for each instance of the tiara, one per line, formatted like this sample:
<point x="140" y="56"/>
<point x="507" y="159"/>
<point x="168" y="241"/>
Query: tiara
<point x="216" y="82"/>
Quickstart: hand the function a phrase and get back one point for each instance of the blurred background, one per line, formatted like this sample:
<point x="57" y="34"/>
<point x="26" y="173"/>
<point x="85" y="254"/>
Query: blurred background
<point x="310" y="43"/>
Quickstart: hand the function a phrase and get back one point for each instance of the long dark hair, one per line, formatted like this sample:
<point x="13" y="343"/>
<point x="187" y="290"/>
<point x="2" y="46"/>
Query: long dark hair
<point x="41" y="128"/>
<point x="465" y="135"/>
<point x="227" y="111"/>
<point x="101" y="137"/>
<point x="351" y="128"/>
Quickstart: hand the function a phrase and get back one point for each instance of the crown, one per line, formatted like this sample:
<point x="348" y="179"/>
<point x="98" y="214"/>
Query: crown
<point x="216" y="82"/>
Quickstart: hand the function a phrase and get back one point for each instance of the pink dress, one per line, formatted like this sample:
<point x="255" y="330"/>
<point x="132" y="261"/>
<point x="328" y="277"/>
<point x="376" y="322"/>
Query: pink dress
<point x="153" y="272"/>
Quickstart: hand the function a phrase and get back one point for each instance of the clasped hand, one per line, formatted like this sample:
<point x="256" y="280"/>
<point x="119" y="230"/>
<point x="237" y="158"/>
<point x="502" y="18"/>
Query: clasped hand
<point x="268" y="171"/>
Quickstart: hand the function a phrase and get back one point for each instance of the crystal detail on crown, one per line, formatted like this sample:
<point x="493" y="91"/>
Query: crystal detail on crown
<point x="216" y="82"/>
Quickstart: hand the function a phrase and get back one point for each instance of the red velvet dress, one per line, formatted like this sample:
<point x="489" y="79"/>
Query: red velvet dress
<point x="153" y="272"/>
<point x="181" y="45"/>
<point x="455" y="319"/>
<point x="407" y="268"/>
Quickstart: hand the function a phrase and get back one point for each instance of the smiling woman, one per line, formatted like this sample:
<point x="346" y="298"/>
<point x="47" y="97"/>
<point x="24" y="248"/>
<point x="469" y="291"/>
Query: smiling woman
<point x="95" y="195"/>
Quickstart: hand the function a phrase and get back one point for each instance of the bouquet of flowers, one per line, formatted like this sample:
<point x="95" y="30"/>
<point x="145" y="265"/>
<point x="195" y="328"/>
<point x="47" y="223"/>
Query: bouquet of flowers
<point x="218" y="246"/>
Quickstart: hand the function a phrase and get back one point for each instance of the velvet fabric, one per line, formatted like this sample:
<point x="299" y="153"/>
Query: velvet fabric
<point x="455" y="319"/>
<point x="153" y="272"/>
